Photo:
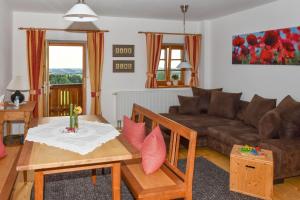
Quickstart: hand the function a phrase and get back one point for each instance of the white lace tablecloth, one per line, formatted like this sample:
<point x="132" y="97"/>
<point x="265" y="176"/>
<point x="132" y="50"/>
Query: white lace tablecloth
<point x="89" y="136"/>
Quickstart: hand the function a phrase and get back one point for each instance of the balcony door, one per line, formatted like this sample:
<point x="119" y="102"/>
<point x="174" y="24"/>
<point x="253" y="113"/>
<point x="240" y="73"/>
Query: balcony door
<point x="65" y="81"/>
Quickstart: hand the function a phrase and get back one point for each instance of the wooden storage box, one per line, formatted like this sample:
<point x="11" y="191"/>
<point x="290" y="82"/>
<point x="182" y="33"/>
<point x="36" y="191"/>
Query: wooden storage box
<point x="251" y="175"/>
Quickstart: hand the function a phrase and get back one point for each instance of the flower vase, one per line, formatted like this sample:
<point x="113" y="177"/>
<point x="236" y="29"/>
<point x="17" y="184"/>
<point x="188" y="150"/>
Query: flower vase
<point x="76" y="121"/>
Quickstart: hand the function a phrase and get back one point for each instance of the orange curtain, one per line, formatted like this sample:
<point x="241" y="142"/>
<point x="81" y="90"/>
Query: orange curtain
<point x="36" y="59"/>
<point x="153" y="42"/>
<point x="95" y="53"/>
<point x="193" y="45"/>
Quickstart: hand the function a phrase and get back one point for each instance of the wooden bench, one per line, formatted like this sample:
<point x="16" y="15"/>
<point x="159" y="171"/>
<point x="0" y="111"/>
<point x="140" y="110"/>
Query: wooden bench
<point x="8" y="172"/>
<point x="169" y="182"/>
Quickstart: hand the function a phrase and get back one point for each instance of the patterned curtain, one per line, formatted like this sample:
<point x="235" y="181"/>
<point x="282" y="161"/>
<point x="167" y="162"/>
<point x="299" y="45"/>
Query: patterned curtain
<point x="95" y="53"/>
<point x="193" y="46"/>
<point x="36" y="59"/>
<point x="153" y="42"/>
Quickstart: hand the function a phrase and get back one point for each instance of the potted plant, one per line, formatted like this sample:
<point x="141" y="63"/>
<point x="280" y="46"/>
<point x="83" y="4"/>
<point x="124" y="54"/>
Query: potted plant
<point x="175" y="78"/>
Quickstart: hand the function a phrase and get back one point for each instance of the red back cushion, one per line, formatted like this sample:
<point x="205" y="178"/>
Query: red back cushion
<point x="134" y="133"/>
<point x="153" y="151"/>
<point x="2" y="149"/>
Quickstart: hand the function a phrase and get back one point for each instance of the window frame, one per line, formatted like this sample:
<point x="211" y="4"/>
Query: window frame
<point x="168" y="60"/>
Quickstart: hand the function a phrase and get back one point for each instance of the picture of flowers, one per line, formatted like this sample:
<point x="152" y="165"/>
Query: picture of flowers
<point x="274" y="47"/>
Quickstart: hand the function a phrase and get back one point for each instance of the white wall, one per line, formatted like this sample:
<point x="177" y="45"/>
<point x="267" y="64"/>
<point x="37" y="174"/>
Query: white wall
<point x="5" y="45"/>
<point x="122" y="31"/>
<point x="268" y="81"/>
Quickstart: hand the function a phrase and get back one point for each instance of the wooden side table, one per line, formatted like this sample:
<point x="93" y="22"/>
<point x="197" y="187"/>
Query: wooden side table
<point x="10" y="114"/>
<point x="251" y="175"/>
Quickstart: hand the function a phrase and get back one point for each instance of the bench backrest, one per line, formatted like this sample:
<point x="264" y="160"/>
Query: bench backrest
<point x="177" y="132"/>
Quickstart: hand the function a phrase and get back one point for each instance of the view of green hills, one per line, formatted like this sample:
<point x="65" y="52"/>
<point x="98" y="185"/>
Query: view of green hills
<point x="59" y="76"/>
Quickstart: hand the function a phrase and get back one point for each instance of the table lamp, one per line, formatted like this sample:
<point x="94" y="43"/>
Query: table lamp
<point x="18" y="84"/>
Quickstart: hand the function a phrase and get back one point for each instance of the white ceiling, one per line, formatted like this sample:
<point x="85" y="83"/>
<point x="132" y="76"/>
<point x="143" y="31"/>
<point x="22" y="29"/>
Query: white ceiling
<point x="161" y="9"/>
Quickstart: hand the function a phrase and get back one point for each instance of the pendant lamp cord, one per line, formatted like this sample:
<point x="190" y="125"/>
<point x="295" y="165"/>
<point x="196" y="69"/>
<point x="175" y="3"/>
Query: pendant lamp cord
<point x="184" y="9"/>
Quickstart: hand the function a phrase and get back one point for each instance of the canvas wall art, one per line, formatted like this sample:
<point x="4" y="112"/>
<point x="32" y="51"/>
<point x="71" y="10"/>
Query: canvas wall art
<point x="273" y="47"/>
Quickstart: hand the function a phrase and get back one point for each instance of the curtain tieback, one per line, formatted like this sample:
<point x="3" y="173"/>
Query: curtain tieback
<point x="194" y="74"/>
<point x="95" y="94"/>
<point x="35" y="92"/>
<point x="151" y="75"/>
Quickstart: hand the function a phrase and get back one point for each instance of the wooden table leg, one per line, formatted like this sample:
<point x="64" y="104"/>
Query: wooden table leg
<point x="26" y="123"/>
<point x="38" y="185"/>
<point x="94" y="179"/>
<point x="1" y="128"/>
<point x="116" y="181"/>
<point x="25" y="177"/>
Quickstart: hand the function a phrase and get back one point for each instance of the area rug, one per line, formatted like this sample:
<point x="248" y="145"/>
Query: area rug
<point x="210" y="183"/>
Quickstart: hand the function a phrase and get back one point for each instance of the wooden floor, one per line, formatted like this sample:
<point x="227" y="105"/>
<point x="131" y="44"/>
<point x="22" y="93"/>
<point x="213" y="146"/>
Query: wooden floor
<point x="290" y="190"/>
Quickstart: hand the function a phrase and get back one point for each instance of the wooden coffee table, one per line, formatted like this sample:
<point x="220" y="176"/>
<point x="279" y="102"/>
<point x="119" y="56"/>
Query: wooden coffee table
<point x="251" y="175"/>
<point x="43" y="160"/>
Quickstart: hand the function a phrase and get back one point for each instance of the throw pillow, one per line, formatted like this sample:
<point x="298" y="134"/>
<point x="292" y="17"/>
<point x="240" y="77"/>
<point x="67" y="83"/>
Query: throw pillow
<point x="290" y="123"/>
<point x="204" y="95"/>
<point x="257" y="108"/>
<point x="188" y="105"/>
<point x="287" y="103"/>
<point x="134" y="133"/>
<point x="269" y="125"/>
<point x="153" y="151"/>
<point x="224" y="104"/>
<point x="241" y="109"/>
<point x="2" y="149"/>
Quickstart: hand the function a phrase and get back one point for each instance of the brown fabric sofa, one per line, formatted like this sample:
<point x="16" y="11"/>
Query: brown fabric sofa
<point x="220" y="134"/>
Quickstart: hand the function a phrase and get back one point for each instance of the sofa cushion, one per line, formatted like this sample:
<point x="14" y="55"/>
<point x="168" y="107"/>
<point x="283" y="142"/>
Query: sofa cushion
<point x="134" y="133"/>
<point x="290" y="123"/>
<point x="286" y="153"/>
<point x="257" y="108"/>
<point x="234" y="134"/>
<point x="269" y="125"/>
<point x="205" y="95"/>
<point x="287" y="103"/>
<point x="201" y="122"/>
<point x="188" y="105"/>
<point x="153" y="151"/>
<point x="224" y="104"/>
<point x="241" y="109"/>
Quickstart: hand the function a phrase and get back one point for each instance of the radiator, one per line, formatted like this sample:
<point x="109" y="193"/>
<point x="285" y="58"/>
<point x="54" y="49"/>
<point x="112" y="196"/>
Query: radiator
<point x="157" y="100"/>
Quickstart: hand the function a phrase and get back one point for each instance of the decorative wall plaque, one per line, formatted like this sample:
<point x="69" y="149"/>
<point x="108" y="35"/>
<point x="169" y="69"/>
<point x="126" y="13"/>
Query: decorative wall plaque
<point x="123" y="50"/>
<point x="123" y="66"/>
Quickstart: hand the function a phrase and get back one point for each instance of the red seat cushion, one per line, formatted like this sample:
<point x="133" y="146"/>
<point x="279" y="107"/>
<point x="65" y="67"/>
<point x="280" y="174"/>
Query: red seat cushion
<point x="134" y="133"/>
<point x="2" y="149"/>
<point x="153" y="151"/>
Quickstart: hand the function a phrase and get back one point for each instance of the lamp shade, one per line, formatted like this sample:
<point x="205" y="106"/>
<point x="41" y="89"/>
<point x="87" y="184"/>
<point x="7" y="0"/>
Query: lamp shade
<point x="184" y="65"/>
<point x="18" y="83"/>
<point x="81" y="12"/>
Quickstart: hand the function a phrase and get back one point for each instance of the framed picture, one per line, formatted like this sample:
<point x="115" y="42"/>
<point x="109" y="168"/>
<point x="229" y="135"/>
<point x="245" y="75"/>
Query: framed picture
<point x="123" y="50"/>
<point x="123" y="66"/>
<point x="273" y="47"/>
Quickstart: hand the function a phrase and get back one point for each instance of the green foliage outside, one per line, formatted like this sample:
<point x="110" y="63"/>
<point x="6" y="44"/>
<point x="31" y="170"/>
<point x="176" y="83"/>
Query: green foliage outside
<point x="60" y="79"/>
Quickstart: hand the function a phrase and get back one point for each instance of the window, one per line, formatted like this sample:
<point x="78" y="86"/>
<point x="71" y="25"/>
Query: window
<point x="170" y="58"/>
<point x="66" y="63"/>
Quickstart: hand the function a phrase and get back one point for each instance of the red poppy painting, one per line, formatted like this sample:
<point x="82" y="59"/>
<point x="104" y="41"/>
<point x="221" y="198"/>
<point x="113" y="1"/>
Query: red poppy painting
<point x="274" y="47"/>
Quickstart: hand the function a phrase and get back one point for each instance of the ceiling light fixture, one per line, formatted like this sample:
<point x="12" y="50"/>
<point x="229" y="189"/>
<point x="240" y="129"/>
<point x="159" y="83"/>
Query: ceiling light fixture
<point x="184" y="64"/>
<point x="81" y="12"/>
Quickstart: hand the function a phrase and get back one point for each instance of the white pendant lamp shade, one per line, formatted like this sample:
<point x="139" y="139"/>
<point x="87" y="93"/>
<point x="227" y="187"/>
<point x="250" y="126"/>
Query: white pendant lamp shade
<point x="184" y="65"/>
<point x="81" y="12"/>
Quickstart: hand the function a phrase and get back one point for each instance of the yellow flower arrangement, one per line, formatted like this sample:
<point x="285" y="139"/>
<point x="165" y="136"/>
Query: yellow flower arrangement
<point x="77" y="110"/>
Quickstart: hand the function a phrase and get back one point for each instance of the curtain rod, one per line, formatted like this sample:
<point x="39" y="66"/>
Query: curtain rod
<point x="165" y="33"/>
<point x="66" y="30"/>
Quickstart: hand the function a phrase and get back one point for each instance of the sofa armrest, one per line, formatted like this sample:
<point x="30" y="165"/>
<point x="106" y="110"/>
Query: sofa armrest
<point x="286" y="154"/>
<point x="173" y="109"/>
